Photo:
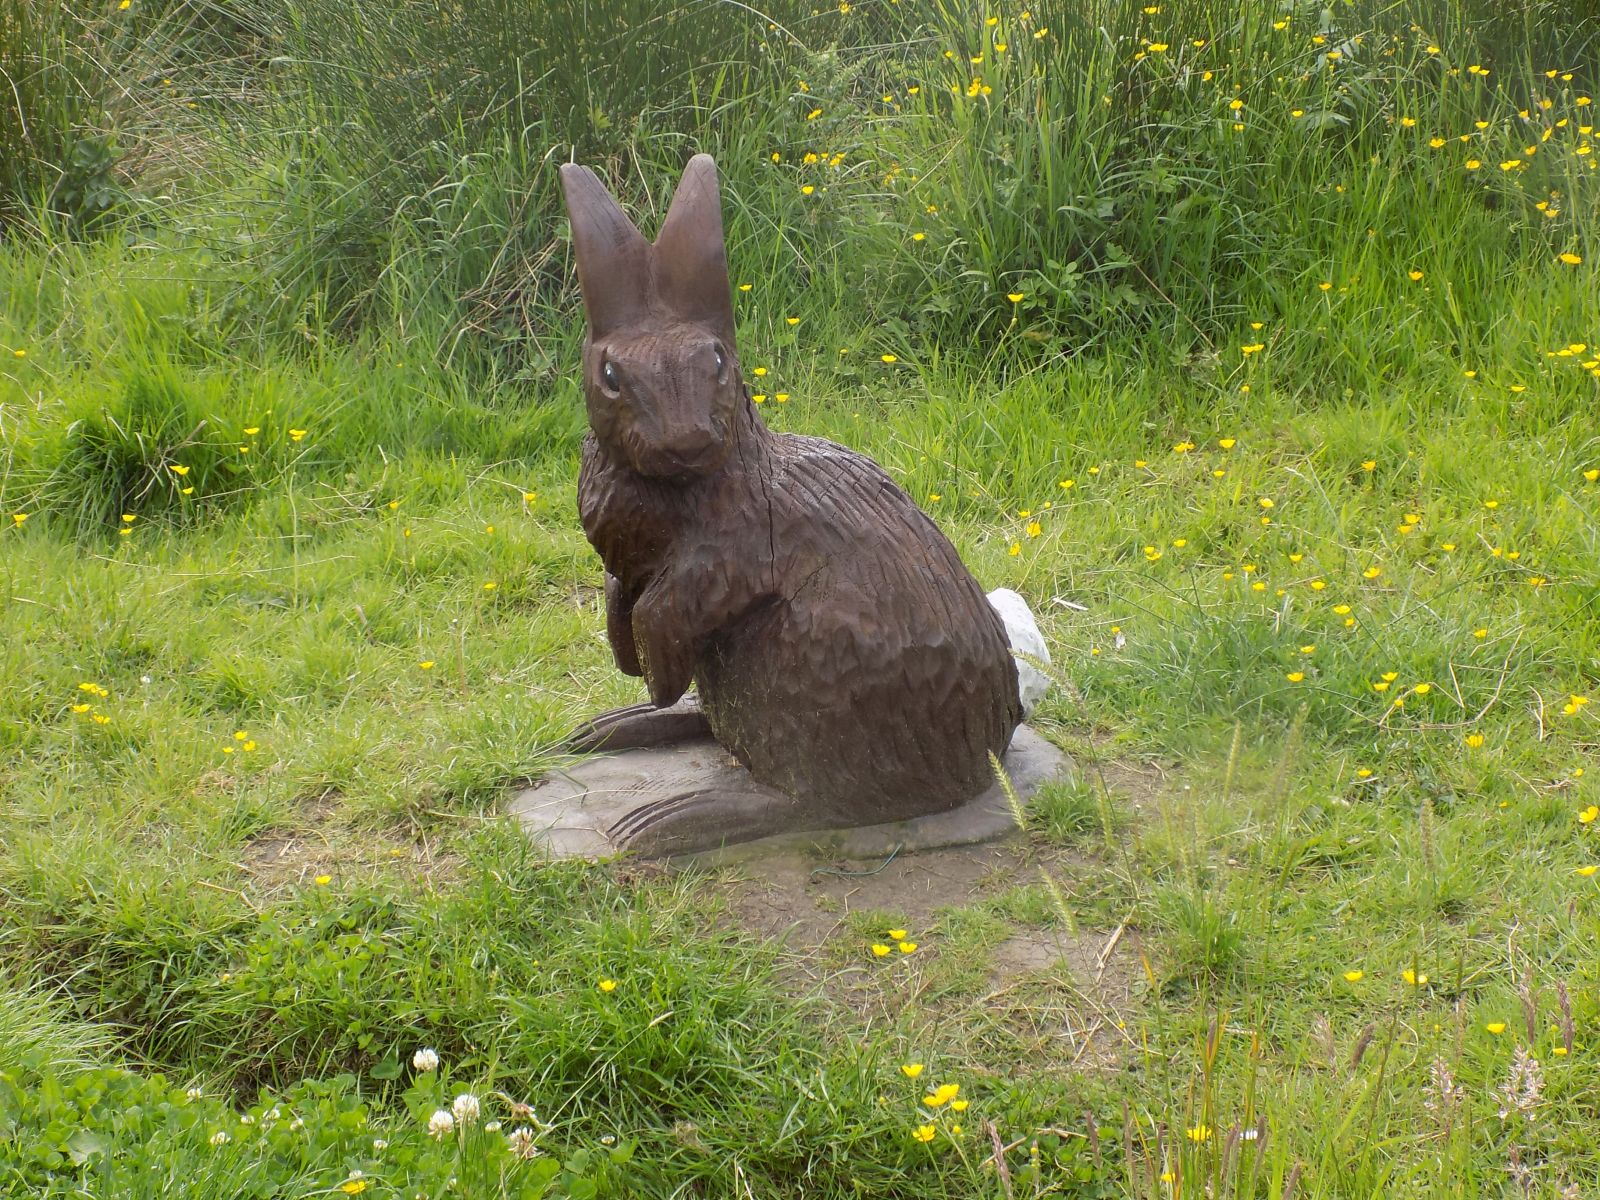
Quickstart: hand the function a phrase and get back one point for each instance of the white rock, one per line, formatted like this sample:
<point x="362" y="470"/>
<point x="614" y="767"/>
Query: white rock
<point x="1023" y="633"/>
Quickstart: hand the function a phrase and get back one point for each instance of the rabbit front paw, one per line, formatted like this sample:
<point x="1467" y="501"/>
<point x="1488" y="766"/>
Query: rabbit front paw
<point x="640" y="725"/>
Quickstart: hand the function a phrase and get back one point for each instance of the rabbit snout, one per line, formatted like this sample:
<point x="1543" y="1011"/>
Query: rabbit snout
<point x="667" y="401"/>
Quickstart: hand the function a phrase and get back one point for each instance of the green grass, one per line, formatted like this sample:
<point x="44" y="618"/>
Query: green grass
<point x="295" y="594"/>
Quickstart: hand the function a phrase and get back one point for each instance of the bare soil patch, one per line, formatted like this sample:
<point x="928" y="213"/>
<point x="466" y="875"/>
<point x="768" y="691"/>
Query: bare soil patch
<point x="1028" y="994"/>
<point x="319" y="844"/>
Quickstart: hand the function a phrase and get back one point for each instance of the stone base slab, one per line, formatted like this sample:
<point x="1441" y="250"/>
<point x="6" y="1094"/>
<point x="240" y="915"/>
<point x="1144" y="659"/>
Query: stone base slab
<point x="569" y="811"/>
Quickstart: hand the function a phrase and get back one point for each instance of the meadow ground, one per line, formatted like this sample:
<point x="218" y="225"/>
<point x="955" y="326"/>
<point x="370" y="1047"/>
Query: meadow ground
<point x="295" y="595"/>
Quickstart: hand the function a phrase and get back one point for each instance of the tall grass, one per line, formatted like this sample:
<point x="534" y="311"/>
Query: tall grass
<point x="1160" y="176"/>
<point x="419" y="142"/>
<point x="1140" y="176"/>
<point x="55" y="153"/>
<point x="1086" y="189"/>
<point x="88" y="108"/>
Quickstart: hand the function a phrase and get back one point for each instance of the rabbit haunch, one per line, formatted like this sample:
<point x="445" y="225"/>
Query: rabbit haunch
<point x="840" y="648"/>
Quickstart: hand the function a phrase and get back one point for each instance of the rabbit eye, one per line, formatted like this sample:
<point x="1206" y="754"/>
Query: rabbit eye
<point x="609" y="376"/>
<point x="722" y="359"/>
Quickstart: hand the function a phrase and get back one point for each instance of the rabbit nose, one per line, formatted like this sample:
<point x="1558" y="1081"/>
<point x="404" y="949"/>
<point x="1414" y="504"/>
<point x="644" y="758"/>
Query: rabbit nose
<point x="691" y="446"/>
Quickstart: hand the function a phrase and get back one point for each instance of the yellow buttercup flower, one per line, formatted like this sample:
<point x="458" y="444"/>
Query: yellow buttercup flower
<point x="911" y="1070"/>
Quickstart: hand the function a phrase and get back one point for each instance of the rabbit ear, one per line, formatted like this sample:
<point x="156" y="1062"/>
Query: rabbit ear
<point x="691" y="264"/>
<point x="613" y="257"/>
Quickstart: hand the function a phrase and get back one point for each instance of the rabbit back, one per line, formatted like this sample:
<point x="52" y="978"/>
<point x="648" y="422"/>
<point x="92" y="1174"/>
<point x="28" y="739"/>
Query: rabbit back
<point x="876" y="679"/>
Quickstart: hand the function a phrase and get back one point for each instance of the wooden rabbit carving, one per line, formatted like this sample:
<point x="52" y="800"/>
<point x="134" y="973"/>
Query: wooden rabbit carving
<point x="840" y="649"/>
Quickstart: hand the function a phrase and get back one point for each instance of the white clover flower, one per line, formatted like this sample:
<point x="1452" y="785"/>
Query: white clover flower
<point x="272" y="1114"/>
<point x="441" y="1123"/>
<point x="219" y="1138"/>
<point x="247" y="1119"/>
<point x="297" y="1124"/>
<point x="378" y="1145"/>
<point x="520" y="1140"/>
<point x="426" y="1059"/>
<point x="491" y="1126"/>
<point x="466" y="1108"/>
<point x="194" y="1093"/>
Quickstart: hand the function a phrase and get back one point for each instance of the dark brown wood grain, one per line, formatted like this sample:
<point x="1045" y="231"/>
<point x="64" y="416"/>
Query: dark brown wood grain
<point x="839" y="647"/>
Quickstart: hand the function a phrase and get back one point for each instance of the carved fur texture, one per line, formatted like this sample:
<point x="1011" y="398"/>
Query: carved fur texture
<point x="840" y="648"/>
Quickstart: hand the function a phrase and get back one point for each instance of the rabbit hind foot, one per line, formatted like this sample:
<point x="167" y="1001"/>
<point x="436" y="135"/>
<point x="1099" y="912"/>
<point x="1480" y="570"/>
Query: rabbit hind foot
<point x="706" y="819"/>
